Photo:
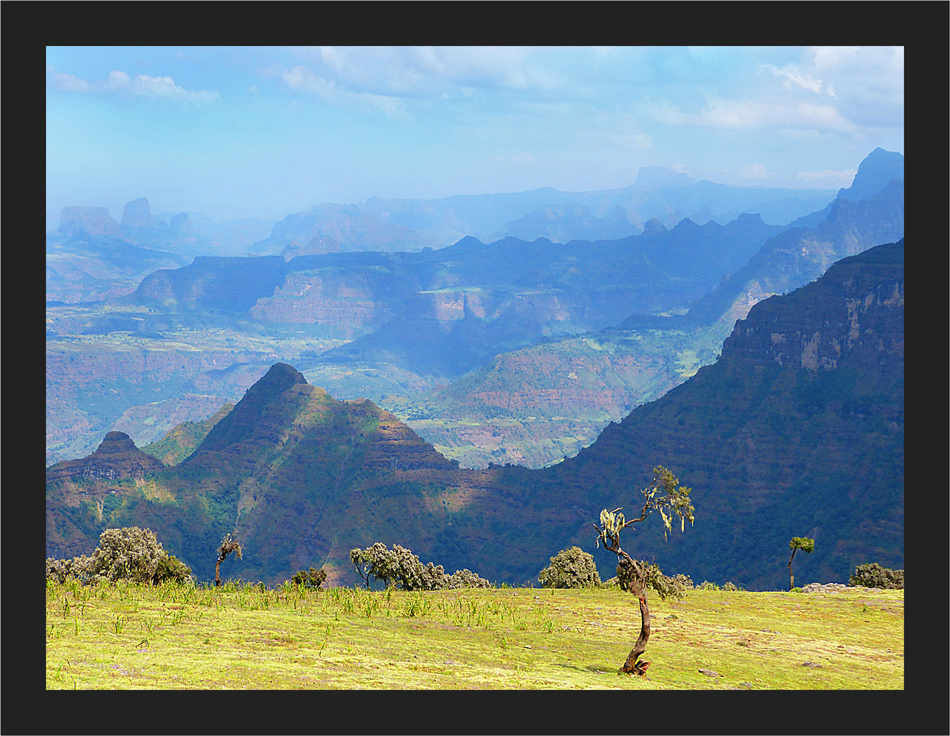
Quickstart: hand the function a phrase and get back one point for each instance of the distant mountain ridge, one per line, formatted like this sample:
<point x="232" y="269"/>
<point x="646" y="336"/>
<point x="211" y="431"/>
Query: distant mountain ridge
<point x="415" y="321"/>
<point x="553" y="214"/>
<point x="449" y="310"/>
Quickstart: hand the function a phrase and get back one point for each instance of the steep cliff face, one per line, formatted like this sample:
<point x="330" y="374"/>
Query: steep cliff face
<point x="855" y="320"/>
<point x="796" y="430"/>
<point x="136" y="213"/>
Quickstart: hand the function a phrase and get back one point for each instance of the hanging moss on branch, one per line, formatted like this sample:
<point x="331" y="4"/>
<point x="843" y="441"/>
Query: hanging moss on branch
<point x="666" y="495"/>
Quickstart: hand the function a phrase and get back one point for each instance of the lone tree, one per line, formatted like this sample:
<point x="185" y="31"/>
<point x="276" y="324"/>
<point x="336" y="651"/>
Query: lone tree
<point x="798" y="543"/>
<point x="666" y="495"/>
<point x="228" y="546"/>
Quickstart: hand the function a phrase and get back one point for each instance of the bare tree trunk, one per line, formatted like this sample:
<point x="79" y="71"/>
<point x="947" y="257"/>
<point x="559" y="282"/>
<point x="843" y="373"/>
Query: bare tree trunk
<point x="217" y="572"/>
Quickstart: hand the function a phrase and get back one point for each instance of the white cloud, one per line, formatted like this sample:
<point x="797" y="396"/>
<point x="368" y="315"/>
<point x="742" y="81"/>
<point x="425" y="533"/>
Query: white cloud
<point x="436" y="71"/>
<point x="119" y="82"/>
<point x="518" y="158"/>
<point x="867" y="81"/>
<point x="633" y="141"/>
<point x="751" y="114"/>
<point x="755" y="171"/>
<point x="793" y="75"/>
<point x="826" y="176"/>
<point x="302" y="79"/>
<point x="67" y="82"/>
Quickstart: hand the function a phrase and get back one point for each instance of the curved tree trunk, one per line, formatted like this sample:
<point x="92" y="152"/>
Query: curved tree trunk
<point x="637" y="585"/>
<point x="633" y="665"/>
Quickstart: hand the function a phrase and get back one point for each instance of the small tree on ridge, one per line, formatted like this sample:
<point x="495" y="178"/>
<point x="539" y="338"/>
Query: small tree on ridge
<point x="798" y="543"/>
<point x="228" y="546"/>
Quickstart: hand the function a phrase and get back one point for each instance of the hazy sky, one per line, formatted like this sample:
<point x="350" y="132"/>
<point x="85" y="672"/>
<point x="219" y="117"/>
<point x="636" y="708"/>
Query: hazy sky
<point x="267" y="131"/>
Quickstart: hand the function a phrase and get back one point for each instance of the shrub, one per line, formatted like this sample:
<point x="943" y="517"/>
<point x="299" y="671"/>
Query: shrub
<point x="682" y="582"/>
<point x="874" y="576"/>
<point x="171" y="569"/>
<point x="400" y="567"/>
<point x="465" y="579"/>
<point x="60" y="570"/>
<point x="666" y="586"/>
<point x="309" y="578"/>
<point x="570" y="568"/>
<point x="129" y="553"/>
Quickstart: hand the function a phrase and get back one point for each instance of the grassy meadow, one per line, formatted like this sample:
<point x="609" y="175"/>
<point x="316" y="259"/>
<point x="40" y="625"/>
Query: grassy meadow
<point x="242" y="636"/>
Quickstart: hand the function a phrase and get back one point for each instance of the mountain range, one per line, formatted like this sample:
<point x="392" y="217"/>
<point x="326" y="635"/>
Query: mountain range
<point x="796" y="430"/>
<point x="502" y="351"/>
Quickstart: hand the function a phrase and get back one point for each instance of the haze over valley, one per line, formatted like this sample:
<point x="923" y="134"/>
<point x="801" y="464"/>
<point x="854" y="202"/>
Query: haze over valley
<point x="444" y="367"/>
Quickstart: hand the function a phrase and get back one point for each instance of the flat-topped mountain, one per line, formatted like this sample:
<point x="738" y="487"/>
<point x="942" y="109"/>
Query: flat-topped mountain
<point x="116" y="457"/>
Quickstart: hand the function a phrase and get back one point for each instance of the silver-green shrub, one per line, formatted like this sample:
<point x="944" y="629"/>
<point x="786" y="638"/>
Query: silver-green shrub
<point x="129" y="553"/>
<point x="399" y="567"/>
<point x="570" y="568"/>
<point x="465" y="579"/>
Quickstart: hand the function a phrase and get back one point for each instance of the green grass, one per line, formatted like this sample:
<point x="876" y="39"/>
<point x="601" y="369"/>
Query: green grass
<point x="238" y="636"/>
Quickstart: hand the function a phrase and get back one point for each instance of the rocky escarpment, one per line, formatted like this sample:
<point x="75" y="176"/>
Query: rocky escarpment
<point x="213" y="283"/>
<point x="855" y="319"/>
<point x="797" y="429"/>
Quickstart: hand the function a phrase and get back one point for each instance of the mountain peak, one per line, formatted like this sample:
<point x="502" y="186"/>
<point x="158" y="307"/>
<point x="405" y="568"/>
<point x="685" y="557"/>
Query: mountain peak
<point x="258" y="408"/>
<point x="875" y="172"/>
<point x="115" y="443"/>
<point x="654" y="227"/>
<point x="282" y="376"/>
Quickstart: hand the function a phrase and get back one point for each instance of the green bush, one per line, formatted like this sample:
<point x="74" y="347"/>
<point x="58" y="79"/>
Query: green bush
<point x="309" y="578"/>
<point x="172" y="569"/>
<point x="129" y="553"/>
<point x="665" y="586"/>
<point x="570" y="568"/>
<point x="465" y="578"/>
<point x="874" y="576"/>
<point x="399" y="567"/>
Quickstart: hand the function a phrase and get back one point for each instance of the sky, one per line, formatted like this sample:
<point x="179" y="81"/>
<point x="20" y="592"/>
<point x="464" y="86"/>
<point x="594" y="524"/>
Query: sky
<point x="240" y="132"/>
